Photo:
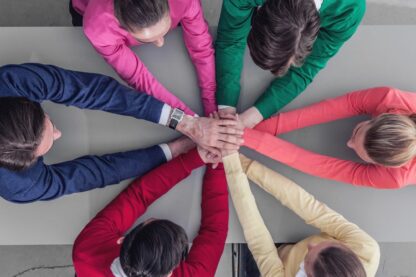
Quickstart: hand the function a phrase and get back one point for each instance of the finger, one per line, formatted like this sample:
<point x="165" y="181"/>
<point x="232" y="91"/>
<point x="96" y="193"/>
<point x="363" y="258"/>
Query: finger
<point x="230" y="131"/>
<point x="231" y="139"/>
<point x="229" y="116"/>
<point x="214" y="165"/>
<point x="227" y="122"/>
<point x="227" y="146"/>
<point x="213" y="151"/>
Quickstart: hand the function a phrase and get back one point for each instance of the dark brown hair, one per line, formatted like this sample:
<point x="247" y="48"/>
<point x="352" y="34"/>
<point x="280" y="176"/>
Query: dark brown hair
<point x="21" y="129"/>
<point x="282" y="33"/>
<point x="153" y="249"/>
<point x="391" y="139"/>
<point x="137" y="14"/>
<point x="338" y="261"/>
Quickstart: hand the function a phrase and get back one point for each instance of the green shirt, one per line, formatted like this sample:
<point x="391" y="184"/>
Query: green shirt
<point x="339" y="21"/>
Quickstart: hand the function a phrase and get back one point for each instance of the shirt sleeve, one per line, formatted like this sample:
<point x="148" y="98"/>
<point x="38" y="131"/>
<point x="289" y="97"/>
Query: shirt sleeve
<point x="258" y="238"/>
<point x="128" y="65"/>
<point x="103" y="231"/>
<point x="47" y="182"/>
<point x="207" y="247"/>
<point x="315" y="213"/>
<point x="339" y="21"/>
<point x="230" y="45"/>
<point x="39" y="82"/>
<point x="372" y="101"/>
<point x="359" y="174"/>
<point x="198" y="41"/>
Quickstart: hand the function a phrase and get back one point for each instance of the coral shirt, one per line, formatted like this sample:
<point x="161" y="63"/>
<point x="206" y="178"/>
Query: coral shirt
<point x="373" y="101"/>
<point x="113" y="42"/>
<point x="96" y="246"/>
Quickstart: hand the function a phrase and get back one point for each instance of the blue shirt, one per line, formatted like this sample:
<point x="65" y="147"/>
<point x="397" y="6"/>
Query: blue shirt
<point x="38" y="82"/>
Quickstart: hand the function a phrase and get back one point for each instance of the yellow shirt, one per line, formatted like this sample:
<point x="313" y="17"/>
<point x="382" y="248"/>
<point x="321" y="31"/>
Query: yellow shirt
<point x="332" y="225"/>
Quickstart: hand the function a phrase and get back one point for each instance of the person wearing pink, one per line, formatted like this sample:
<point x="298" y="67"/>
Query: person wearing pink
<point x="386" y="143"/>
<point x="114" y="26"/>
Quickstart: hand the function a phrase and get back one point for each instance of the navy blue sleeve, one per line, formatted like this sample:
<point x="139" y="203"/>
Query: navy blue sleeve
<point x="39" y="82"/>
<point x="47" y="182"/>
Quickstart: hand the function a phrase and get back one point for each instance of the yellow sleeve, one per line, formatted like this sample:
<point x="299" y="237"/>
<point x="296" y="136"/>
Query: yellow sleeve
<point x="258" y="238"/>
<point x="315" y="213"/>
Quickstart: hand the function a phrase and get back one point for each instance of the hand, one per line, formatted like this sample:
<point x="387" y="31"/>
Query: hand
<point x="251" y="117"/>
<point x="230" y="116"/>
<point x="212" y="134"/>
<point x="223" y="113"/>
<point x="180" y="145"/>
<point x="209" y="157"/>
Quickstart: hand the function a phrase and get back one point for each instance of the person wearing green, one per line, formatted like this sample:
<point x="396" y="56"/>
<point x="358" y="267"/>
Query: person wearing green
<point x="294" y="39"/>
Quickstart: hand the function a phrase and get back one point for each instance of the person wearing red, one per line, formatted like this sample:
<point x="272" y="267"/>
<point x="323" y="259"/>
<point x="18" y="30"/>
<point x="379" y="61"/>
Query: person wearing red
<point x="156" y="247"/>
<point x="386" y="143"/>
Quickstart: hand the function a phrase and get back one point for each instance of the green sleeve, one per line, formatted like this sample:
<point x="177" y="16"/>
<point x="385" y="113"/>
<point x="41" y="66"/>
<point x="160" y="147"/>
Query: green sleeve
<point x="339" y="21"/>
<point x="233" y="29"/>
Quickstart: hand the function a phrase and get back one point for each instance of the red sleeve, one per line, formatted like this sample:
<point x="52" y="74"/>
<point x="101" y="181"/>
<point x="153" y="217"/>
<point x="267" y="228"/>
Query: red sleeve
<point x="99" y="237"/>
<point x="323" y="166"/>
<point x="373" y="101"/>
<point x="208" y="246"/>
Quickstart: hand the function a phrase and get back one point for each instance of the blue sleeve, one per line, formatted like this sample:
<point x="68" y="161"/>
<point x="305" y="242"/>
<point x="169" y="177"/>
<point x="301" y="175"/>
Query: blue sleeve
<point x="47" y="182"/>
<point x="39" y="82"/>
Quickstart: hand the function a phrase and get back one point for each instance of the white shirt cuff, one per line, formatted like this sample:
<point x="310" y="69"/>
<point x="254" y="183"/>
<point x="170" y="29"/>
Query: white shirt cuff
<point x="166" y="150"/>
<point x="164" y="115"/>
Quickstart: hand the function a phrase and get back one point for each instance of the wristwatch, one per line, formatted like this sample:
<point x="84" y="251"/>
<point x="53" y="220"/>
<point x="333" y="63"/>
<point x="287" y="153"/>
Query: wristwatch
<point x="175" y="118"/>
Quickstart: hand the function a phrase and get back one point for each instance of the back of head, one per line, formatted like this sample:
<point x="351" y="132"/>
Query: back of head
<point x="21" y="129"/>
<point x="138" y="14"/>
<point x="391" y="139"/>
<point x="282" y="33"/>
<point x="154" y="249"/>
<point x="338" y="261"/>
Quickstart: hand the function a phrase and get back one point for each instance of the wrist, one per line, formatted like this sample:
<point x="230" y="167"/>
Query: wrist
<point x="175" y="117"/>
<point x="251" y="117"/>
<point x="185" y="125"/>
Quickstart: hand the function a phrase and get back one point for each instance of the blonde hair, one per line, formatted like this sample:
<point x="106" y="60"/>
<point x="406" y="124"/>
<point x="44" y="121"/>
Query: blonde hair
<point x="391" y="139"/>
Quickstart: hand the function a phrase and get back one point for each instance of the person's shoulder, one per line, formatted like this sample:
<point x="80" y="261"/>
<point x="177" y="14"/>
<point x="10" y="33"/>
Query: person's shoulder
<point x="100" y="23"/>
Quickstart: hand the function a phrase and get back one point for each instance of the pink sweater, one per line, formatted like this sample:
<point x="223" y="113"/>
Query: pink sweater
<point x="113" y="42"/>
<point x="372" y="101"/>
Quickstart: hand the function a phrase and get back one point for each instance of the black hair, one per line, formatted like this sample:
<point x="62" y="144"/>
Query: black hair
<point x="137" y="14"/>
<point x="338" y="261"/>
<point x="153" y="249"/>
<point x="21" y="129"/>
<point x="282" y="33"/>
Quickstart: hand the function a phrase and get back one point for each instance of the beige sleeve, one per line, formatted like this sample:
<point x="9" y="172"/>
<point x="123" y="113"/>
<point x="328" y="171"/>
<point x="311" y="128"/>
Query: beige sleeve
<point x="315" y="213"/>
<point x="256" y="234"/>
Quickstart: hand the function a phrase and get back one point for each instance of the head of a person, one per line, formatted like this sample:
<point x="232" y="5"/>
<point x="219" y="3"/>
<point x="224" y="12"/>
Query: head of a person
<point x="327" y="259"/>
<point x="26" y="133"/>
<point x="282" y="34"/>
<point x="153" y="249"/>
<point x="147" y="20"/>
<point x="388" y="139"/>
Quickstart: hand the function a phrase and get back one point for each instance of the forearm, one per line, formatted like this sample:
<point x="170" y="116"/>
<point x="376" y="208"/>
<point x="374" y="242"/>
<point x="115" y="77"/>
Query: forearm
<point x="90" y="172"/>
<point x="256" y="234"/>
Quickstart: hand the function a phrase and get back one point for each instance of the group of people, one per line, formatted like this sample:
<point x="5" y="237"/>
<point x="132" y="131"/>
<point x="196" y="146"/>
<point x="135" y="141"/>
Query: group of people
<point x="293" y="39"/>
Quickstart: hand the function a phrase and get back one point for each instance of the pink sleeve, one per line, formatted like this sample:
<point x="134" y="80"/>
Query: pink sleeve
<point x="371" y="101"/>
<point x="128" y="65"/>
<point x="198" y="41"/>
<point x="323" y="166"/>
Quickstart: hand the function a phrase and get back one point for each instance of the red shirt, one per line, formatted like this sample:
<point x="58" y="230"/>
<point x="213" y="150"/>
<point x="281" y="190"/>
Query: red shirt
<point x="96" y="246"/>
<point x="373" y="101"/>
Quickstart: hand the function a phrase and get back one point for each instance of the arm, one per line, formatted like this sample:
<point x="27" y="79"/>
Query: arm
<point x="339" y="22"/>
<point x="47" y="182"/>
<point x="233" y="29"/>
<point x="208" y="246"/>
<point x="39" y="82"/>
<point x="117" y="217"/>
<point x="198" y="41"/>
<point x="315" y="213"/>
<point x="372" y="101"/>
<point x="323" y="166"/>
<point x="256" y="234"/>
<point x="115" y="51"/>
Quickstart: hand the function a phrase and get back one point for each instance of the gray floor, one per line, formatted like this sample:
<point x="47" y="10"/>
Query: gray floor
<point x="48" y="261"/>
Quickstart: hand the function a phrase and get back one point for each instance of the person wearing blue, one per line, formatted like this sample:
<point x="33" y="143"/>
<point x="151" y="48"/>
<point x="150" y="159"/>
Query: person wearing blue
<point x="27" y="133"/>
